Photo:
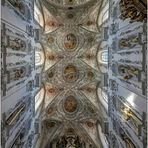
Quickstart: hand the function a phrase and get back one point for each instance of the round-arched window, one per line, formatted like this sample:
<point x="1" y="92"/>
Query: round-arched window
<point x="103" y="98"/>
<point x="38" y="15"/>
<point x="39" y="58"/>
<point x="104" y="56"/>
<point x="104" y="15"/>
<point x="39" y="98"/>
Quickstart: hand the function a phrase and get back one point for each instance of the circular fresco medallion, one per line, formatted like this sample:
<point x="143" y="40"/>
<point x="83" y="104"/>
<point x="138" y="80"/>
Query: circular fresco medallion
<point x="89" y="124"/>
<point x="70" y="104"/>
<point x="90" y="39"/>
<point x="91" y="109"/>
<point x="89" y="89"/>
<point x="70" y="130"/>
<point x="50" y="124"/>
<point x="51" y="57"/>
<point x="50" y="39"/>
<point x="51" y="90"/>
<point x="90" y="74"/>
<point x="70" y="16"/>
<point x="50" y="75"/>
<point x="70" y="42"/>
<point x="50" y="110"/>
<point x="70" y="73"/>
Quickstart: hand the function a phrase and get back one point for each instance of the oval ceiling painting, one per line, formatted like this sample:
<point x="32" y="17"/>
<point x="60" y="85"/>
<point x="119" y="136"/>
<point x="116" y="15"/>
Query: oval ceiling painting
<point x="70" y="104"/>
<point x="70" y="73"/>
<point x="70" y="42"/>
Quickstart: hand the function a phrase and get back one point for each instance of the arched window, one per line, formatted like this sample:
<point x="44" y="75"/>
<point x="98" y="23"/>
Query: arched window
<point x="39" y="58"/>
<point x="104" y="95"/>
<point x="104" y="56"/>
<point x="103" y="98"/>
<point x="104" y="14"/>
<point x="38" y="15"/>
<point x="39" y="98"/>
<point x="102" y="137"/>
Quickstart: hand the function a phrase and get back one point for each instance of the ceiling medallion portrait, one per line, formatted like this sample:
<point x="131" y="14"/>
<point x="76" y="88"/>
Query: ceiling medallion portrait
<point x="50" y="56"/>
<point x="70" y="16"/>
<point x="70" y="42"/>
<point x="50" y="110"/>
<point x="70" y="131"/>
<point x="91" y="109"/>
<point x="70" y="104"/>
<point x="90" y="39"/>
<point x="50" y="39"/>
<point x="90" y="75"/>
<point x="70" y="73"/>
<point x="51" y="90"/>
<point x="50" y="124"/>
<point x="50" y="74"/>
<point x="90" y="124"/>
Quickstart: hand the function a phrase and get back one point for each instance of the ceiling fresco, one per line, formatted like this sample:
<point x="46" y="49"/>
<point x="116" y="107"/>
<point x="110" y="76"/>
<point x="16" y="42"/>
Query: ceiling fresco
<point x="74" y="74"/>
<point x="70" y="38"/>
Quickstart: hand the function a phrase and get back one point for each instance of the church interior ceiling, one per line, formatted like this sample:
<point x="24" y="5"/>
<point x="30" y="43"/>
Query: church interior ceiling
<point x="74" y="74"/>
<point x="70" y="41"/>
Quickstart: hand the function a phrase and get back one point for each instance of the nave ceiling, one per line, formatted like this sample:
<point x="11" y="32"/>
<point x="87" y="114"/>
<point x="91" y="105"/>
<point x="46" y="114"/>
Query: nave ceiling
<point x="74" y="74"/>
<point x="70" y="41"/>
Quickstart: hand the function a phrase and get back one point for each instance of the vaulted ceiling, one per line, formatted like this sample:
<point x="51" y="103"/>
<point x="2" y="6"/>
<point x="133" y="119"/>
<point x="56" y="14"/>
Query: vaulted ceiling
<point x="70" y="39"/>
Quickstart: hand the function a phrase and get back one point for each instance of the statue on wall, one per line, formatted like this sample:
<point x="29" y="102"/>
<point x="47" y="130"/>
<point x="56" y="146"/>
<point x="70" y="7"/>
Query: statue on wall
<point x="133" y="9"/>
<point x="126" y="139"/>
<point x="123" y="43"/>
<point x="126" y="112"/>
<point x="19" y="5"/>
<point x="15" y="116"/>
<point x="18" y="142"/>
<point x="131" y="118"/>
<point x="19" y="73"/>
<point x="128" y="72"/>
<point x="129" y="42"/>
<point x="17" y="44"/>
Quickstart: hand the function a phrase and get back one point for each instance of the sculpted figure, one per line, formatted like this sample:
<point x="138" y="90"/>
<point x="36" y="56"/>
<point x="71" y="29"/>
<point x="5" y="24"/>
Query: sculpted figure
<point x="17" y="44"/>
<point x="128" y="72"/>
<point x="18" y="73"/>
<point x="124" y="43"/>
<point x="129" y="10"/>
